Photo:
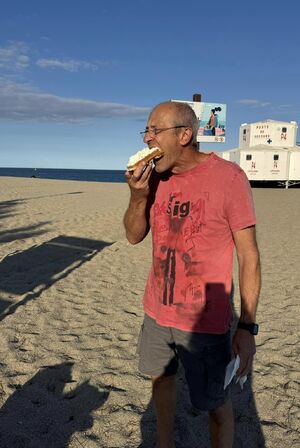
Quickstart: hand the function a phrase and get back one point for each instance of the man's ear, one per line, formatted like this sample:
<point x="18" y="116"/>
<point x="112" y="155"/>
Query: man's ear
<point x="186" y="136"/>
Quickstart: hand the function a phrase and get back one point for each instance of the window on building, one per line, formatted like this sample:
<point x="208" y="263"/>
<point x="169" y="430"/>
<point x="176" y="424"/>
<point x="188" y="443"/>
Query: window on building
<point x="244" y="131"/>
<point x="248" y="157"/>
<point x="284" y="129"/>
<point x="276" y="157"/>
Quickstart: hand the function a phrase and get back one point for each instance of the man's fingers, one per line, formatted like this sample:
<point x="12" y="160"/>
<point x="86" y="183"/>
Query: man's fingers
<point x="146" y="172"/>
<point x="136" y="174"/>
<point x="243" y="344"/>
<point x="141" y="173"/>
<point x="245" y="365"/>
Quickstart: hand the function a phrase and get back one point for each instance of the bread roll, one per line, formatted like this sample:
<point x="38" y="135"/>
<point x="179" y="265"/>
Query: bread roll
<point x="146" y="154"/>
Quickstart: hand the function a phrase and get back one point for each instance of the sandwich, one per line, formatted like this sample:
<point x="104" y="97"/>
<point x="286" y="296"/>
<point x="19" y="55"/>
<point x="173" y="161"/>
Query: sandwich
<point x="146" y="154"/>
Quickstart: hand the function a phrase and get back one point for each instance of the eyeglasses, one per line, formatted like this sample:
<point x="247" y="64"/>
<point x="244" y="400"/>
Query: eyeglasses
<point x="154" y="131"/>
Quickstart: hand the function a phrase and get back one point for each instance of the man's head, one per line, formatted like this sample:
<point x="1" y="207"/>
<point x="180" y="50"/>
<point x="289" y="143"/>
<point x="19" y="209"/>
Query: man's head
<point x="172" y="127"/>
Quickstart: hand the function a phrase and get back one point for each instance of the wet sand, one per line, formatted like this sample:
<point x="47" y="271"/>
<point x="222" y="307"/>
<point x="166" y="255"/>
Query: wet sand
<point x="70" y="312"/>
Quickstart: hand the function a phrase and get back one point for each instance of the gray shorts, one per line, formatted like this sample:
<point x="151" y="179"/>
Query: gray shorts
<point x="204" y="358"/>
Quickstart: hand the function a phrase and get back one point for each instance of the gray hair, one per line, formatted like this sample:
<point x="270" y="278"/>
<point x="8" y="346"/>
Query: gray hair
<point x="184" y="115"/>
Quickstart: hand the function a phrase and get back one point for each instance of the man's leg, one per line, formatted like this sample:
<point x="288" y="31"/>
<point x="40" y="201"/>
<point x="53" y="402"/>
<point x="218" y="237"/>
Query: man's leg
<point x="204" y="358"/>
<point x="221" y="426"/>
<point x="164" y="400"/>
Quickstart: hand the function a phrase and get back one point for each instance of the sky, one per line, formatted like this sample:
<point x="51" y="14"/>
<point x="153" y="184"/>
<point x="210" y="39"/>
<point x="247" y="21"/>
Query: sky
<point x="78" y="78"/>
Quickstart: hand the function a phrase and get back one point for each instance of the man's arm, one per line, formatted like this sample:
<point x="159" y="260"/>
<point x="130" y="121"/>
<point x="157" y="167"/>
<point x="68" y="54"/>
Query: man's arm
<point x="250" y="281"/>
<point x="135" y="219"/>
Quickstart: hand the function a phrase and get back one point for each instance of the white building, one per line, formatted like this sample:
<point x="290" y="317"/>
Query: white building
<point x="268" y="152"/>
<point x="268" y="132"/>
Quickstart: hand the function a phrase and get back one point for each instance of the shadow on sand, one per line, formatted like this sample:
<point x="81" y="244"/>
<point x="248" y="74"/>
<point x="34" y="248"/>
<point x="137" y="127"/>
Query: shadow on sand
<point x="21" y="233"/>
<point x="41" y="415"/>
<point x="7" y="208"/>
<point x="36" y="269"/>
<point x="191" y="426"/>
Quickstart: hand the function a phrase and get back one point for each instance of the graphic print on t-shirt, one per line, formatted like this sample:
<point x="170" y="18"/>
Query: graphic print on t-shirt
<point x="193" y="216"/>
<point x="177" y="223"/>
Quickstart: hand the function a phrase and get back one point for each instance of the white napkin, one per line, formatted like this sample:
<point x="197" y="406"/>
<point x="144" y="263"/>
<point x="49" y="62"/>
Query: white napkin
<point x="231" y="370"/>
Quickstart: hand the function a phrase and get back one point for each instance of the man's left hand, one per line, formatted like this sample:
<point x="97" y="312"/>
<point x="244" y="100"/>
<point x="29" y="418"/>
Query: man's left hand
<point x="243" y="344"/>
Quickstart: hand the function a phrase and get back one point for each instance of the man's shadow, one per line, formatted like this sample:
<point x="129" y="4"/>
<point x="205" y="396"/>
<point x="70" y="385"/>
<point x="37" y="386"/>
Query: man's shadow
<point x="42" y="415"/>
<point x="191" y="426"/>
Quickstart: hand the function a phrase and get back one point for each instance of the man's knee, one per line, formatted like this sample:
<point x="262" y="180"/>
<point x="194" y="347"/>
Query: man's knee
<point x="222" y="414"/>
<point x="165" y="380"/>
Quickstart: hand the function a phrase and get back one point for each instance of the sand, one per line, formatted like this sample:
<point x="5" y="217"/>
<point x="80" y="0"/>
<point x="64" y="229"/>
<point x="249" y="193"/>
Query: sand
<point x="70" y="312"/>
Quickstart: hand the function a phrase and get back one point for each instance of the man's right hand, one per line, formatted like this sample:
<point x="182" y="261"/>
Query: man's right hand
<point x="138" y="181"/>
<point x="135" y="219"/>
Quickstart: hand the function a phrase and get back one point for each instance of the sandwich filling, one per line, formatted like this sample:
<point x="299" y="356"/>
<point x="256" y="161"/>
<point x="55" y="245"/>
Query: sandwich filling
<point x="145" y="153"/>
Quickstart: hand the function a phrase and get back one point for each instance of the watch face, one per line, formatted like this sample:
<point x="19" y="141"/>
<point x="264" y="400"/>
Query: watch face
<point x="252" y="328"/>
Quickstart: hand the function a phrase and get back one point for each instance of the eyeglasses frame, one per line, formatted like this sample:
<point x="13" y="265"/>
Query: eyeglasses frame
<point x="155" y="131"/>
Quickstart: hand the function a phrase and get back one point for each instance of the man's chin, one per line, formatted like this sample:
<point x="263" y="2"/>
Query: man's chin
<point x="158" y="166"/>
<point x="158" y="169"/>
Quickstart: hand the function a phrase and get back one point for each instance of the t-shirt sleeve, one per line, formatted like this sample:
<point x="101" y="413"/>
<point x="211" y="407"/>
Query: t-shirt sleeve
<point x="239" y="203"/>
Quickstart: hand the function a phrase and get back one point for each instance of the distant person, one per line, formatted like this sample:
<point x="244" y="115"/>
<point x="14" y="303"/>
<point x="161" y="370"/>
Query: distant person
<point x="198" y="207"/>
<point x="213" y="121"/>
<point x="34" y="174"/>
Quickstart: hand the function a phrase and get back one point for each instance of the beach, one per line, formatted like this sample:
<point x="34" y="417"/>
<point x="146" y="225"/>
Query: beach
<point x="70" y="314"/>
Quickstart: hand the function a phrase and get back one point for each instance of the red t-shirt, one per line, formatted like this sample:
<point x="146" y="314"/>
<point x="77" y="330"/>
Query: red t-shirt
<point x="192" y="218"/>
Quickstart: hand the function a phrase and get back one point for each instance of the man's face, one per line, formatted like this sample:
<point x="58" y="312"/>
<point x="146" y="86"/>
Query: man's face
<point x="167" y="140"/>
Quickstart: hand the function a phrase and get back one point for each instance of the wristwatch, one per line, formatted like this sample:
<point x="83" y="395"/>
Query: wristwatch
<point x="252" y="328"/>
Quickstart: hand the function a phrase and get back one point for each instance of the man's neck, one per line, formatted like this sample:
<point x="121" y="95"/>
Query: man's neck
<point x="191" y="158"/>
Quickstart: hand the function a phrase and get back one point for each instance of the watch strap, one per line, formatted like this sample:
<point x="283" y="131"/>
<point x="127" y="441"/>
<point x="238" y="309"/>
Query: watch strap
<point x="252" y="327"/>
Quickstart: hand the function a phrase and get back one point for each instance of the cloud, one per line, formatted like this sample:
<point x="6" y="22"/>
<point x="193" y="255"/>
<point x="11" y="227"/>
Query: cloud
<point x="69" y="65"/>
<point x="253" y="103"/>
<point x="22" y="102"/>
<point x="14" y="57"/>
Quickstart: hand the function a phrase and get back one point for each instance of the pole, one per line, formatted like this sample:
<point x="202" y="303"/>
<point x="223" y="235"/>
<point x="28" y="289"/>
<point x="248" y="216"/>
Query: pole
<point x="197" y="99"/>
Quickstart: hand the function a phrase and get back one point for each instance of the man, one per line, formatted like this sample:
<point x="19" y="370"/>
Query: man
<point x="198" y="208"/>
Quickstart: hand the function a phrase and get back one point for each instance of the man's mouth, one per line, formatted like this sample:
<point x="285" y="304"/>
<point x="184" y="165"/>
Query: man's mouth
<point x="158" y="157"/>
<point x="156" y="161"/>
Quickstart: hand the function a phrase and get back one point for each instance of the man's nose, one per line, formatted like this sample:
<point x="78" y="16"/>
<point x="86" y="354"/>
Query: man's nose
<point x="147" y="138"/>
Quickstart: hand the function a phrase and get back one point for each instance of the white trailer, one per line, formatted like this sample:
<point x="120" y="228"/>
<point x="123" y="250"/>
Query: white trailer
<point x="259" y="164"/>
<point x="268" y="152"/>
<point x="276" y="164"/>
<point x="268" y="132"/>
<point x="223" y="154"/>
<point x="262" y="163"/>
<point x="252" y="162"/>
<point x="294" y="166"/>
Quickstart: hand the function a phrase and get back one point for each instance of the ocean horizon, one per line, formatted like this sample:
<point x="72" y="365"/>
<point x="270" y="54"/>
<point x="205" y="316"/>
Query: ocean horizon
<point x="66" y="174"/>
<point x="115" y="176"/>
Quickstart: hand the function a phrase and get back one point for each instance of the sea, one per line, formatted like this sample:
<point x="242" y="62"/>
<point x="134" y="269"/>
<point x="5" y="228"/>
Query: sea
<point x="98" y="176"/>
<point x="66" y="174"/>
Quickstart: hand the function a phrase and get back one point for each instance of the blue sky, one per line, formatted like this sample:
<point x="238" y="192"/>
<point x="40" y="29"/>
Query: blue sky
<point x="78" y="78"/>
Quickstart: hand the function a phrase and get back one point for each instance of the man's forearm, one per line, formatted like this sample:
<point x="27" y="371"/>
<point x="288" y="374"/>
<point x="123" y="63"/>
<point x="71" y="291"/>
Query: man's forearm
<point x="250" y="283"/>
<point x="135" y="220"/>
